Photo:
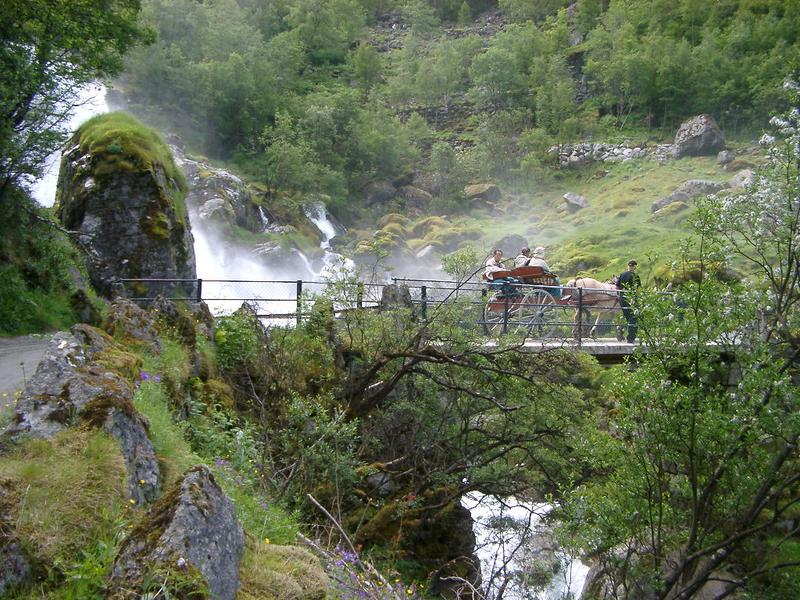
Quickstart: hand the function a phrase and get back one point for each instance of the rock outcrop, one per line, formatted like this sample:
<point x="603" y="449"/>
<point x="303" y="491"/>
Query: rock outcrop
<point x="74" y="384"/>
<point x="193" y="529"/>
<point x="699" y="136"/>
<point x="686" y="191"/>
<point x="219" y="197"/>
<point x="119" y="188"/>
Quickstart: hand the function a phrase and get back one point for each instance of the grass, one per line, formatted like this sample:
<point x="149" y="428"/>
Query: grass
<point x="69" y="492"/>
<point x="270" y="572"/>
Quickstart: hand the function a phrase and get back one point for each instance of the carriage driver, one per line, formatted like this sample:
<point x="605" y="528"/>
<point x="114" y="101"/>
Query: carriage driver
<point x="494" y="264"/>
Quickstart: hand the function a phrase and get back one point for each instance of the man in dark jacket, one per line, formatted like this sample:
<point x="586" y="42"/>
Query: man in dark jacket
<point x="629" y="280"/>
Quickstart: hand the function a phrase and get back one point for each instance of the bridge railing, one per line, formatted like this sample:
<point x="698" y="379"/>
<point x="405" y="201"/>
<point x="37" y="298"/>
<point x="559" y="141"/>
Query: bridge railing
<point x="532" y="311"/>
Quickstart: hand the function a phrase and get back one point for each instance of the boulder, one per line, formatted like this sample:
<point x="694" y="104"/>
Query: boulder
<point x="378" y="192"/>
<point x="725" y="157"/>
<point x="511" y="245"/>
<point x="120" y="189"/>
<point x="575" y="202"/>
<point x="742" y="179"/>
<point x="193" y="529"/>
<point x="488" y="192"/>
<point x="396" y="296"/>
<point x="699" y="136"/>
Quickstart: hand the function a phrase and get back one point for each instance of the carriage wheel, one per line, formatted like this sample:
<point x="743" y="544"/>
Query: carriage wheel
<point x="494" y="314"/>
<point x="539" y="314"/>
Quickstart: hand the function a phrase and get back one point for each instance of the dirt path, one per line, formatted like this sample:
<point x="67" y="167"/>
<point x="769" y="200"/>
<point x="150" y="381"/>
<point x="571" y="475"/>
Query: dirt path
<point x="18" y="359"/>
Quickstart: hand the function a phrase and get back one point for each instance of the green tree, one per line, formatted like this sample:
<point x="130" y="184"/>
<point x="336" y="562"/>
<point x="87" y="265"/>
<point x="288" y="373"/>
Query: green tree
<point x="367" y="66"/>
<point x="50" y="50"/>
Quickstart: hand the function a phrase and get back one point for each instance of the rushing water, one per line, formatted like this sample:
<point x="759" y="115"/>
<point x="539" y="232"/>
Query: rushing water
<point x="332" y="263"/>
<point x="520" y="559"/>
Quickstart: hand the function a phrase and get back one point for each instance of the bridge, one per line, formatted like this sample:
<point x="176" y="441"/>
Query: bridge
<point x="533" y="316"/>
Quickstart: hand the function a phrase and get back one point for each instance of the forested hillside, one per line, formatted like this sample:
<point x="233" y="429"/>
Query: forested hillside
<point x="329" y="96"/>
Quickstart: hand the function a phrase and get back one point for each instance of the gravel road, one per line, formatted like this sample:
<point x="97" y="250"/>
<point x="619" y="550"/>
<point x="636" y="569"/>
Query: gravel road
<point x="18" y="359"/>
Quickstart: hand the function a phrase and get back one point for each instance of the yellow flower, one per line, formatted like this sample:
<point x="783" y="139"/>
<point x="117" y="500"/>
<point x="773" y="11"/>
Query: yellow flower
<point x="409" y="591"/>
<point x="266" y="540"/>
<point x="132" y="501"/>
<point x="5" y="394"/>
<point x="141" y="482"/>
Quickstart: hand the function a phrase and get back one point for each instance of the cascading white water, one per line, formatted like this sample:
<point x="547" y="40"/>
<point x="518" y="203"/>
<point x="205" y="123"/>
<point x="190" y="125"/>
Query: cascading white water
<point x="90" y="102"/>
<point x="332" y="263"/>
<point x="263" y="218"/>
<point x="506" y="532"/>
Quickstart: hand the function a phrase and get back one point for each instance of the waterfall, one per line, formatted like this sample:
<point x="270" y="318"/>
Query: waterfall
<point x="514" y="545"/>
<point x="332" y="263"/>
<point x="263" y="218"/>
<point x="90" y="102"/>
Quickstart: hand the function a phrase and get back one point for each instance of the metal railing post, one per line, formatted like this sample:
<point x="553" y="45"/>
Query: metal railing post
<point x="580" y="317"/>
<point x="299" y="300"/>
<point x="423" y="294"/>
<point x="505" y="313"/>
<point x="360" y="295"/>
<point x="199" y="296"/>
<point x="482" y="317"/>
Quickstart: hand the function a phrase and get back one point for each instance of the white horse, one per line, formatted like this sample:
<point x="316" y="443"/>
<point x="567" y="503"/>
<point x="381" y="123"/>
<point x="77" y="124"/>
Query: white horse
<point x="596" y="295"/>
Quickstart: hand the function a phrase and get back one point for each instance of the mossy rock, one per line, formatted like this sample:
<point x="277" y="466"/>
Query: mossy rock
<point x="123" y="363"/>
<point x="426" y="225"/>
<point x="416" y="244"/>
<point x="391" y="218"/>
<point x="117" y="142"/>
<point x="395" y="229"/>
<point x="273" y="572"/>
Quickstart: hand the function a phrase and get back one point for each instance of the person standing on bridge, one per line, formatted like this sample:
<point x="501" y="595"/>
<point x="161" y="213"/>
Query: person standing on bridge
<point x="628" y="281"/>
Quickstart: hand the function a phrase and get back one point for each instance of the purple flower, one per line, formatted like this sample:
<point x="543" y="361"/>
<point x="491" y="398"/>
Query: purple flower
<point x="156" y="378"/>
<point x="144" y="375"/>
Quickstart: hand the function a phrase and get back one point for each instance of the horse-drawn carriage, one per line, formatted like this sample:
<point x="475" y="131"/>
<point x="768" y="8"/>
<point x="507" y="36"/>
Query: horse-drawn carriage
<point x="530" y="299"/>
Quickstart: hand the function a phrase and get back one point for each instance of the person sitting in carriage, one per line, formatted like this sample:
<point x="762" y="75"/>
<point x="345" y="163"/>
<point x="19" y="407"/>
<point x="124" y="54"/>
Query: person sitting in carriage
<point x="522" y="258"/>
<point x="537" y="260"/>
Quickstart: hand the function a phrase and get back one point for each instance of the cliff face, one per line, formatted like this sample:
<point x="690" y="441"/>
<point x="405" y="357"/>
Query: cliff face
<point x="120" y="189"/>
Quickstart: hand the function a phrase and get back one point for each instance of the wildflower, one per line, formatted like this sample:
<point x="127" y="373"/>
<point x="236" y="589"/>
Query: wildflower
<point x="266" y="540"/>
<point x="157" y="378"/>
<point x="144" y="375"/>
<point x="132" y="501"/>
<point x="141" y="482"/>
